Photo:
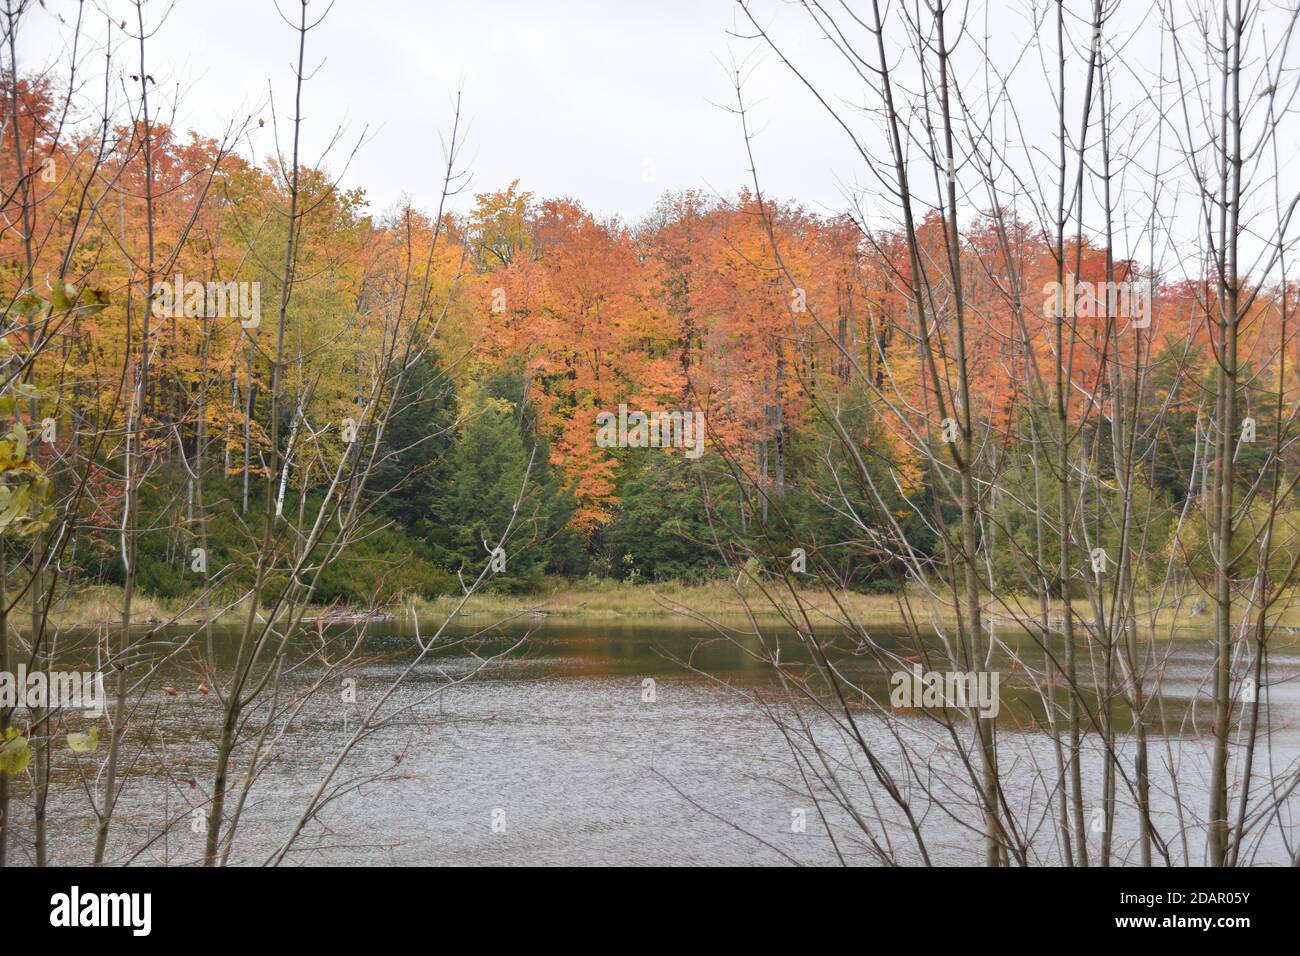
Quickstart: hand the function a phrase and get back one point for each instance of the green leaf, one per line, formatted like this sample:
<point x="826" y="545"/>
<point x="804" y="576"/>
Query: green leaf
<point x="28" y="390"/>
<point x="28" y="304"/>
<point x="61" y="295"/>
<point x="19" y="437"/>
<point x="15" y="753"/>
<point x="84" y="743"/>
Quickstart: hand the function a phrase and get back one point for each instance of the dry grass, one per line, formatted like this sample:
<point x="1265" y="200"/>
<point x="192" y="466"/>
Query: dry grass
<point x="101" y="606"/>
<point x="611" y="601"/>
<point x="614" y="600"/>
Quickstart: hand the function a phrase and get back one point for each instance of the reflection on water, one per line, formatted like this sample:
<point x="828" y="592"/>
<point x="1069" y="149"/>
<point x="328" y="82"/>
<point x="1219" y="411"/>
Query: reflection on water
<point x="609" y="744"/>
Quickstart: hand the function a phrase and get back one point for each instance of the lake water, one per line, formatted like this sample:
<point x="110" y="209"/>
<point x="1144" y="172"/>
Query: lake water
<point x="558" y="755"/>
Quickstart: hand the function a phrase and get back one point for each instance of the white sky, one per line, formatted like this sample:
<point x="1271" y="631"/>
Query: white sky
<point x="611" y="103"/>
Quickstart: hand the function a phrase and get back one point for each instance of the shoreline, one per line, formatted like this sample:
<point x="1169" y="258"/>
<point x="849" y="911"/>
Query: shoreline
<point x="100" y="607"/>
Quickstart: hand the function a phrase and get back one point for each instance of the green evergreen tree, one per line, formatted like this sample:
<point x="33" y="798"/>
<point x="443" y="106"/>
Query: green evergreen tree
<point x="417" y="443"/>
<point x="486" y="471"/>
<point x="662" y="527"/>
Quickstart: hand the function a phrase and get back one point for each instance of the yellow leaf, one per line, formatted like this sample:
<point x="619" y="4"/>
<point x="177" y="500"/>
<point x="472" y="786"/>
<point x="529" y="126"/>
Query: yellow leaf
<point x="84" y="743"/>
<point x="15" y="753"/>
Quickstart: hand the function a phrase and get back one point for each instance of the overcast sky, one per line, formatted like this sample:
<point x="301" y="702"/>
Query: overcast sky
<point x="609" y="102"/>
<point x="614" y="102"/>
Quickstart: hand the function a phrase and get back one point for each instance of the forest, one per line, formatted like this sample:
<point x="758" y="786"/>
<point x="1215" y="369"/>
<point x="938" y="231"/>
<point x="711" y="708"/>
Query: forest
<point x="1029" y="398"/>
<point x="547" y="316"/>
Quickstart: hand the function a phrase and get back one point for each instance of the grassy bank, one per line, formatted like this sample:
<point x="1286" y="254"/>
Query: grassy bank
<point x="101" y="606"/>
<point x="610" y="600"/>
<point x="597" y="601"/>
<point x="719" y="599"/>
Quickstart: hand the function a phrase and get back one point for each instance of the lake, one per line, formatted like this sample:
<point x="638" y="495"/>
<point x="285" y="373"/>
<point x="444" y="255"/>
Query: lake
<point x="622" y="743"/>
